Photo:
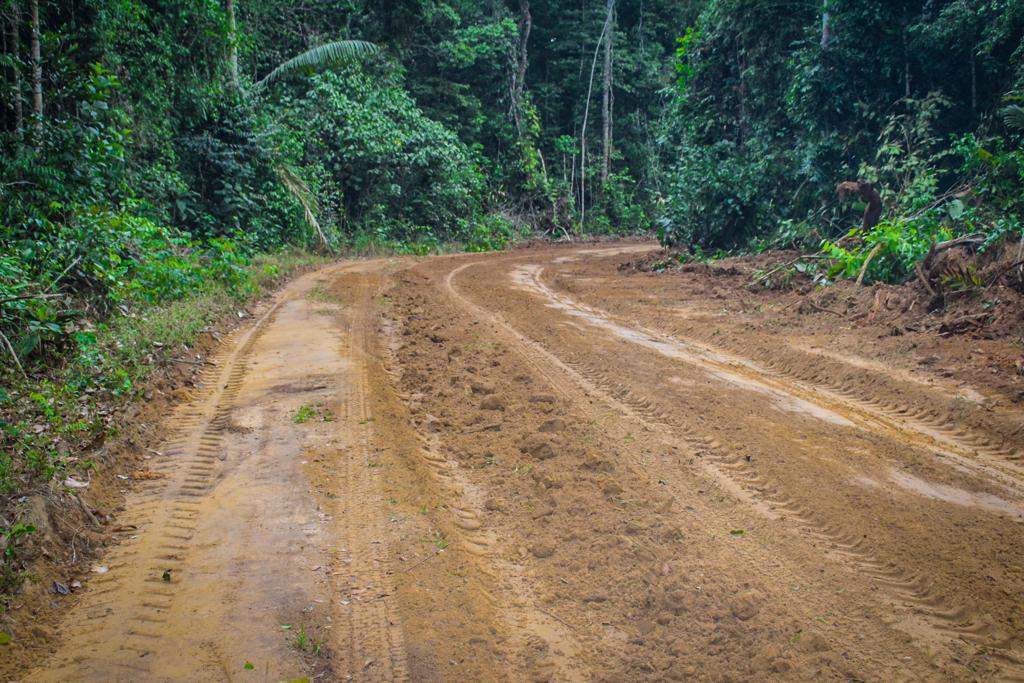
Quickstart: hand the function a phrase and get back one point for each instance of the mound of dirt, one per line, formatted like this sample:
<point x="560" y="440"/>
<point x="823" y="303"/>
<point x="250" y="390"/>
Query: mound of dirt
<point x="960" y="291"/>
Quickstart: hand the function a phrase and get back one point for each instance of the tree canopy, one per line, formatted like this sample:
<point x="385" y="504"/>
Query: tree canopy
<point x="145" y="136"/>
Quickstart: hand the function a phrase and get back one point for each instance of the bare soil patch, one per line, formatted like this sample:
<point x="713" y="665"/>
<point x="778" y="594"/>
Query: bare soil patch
<point x="549" y="464"/>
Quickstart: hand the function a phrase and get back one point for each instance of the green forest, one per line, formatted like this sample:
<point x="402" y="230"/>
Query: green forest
<point x="158" y="152"/>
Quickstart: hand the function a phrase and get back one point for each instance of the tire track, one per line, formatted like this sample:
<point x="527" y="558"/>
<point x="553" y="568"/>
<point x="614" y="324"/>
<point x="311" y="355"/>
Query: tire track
<point x="376" y="649"/>
<point x="508" y="590"/>
<point x="921" y="427"/>
<point x="936" y="618"/>
<point x="162" y="520"/>
<point x="936" y="409"/>
<point x="912" y="589"/>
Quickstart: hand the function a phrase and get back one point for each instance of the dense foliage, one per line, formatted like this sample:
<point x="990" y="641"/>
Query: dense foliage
<point x="776" y="104"/>
<point x="379" y="163"/>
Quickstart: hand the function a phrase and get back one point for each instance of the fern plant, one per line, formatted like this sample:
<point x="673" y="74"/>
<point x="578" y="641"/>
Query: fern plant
<point x="1013" y="116"/>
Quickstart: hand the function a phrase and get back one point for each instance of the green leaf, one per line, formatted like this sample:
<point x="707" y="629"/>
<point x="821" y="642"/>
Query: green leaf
<point x="321" y="57"/>
<point x="1013" y="117"/>
<point x="248" y="666"/>
<point x="5" y="638"/>
<point x="737" y="532"/>
<point x="956" y="209"/>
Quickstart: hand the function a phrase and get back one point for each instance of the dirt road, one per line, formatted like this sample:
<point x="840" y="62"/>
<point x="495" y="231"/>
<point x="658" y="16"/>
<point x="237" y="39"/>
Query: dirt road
<point x="531" y="466"/>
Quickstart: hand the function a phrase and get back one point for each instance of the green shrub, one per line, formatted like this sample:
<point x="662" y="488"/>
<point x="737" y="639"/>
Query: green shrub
<point x="716" y="197"/>
<point x="900" y="244"/>
<point x="383" y="166"/>
<point x="488" y="233"/>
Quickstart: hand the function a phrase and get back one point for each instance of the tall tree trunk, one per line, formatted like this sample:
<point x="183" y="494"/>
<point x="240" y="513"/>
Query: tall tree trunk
<point x="608" y="97"/>
<point x="583" y="128"/>
<point x="522" y="61"/>
<point x="19" y="107"/>
<point x="37" y="65"/>
<point x="232" y="43"/>
<point x="906" y="60"/>
<point x="741" y="90"/>
<point x="826" y="25"/>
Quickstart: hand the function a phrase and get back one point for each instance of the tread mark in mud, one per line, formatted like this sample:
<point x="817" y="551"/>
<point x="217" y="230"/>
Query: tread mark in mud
<point x="930" y="427"/>
<point x="936" y="611"/>
<point x="156" y="526"/>
<point x="931" y="419"/>
<point x="913" y="590"/>
<point x="563" y="662"/>
<point x="377" y="648"/>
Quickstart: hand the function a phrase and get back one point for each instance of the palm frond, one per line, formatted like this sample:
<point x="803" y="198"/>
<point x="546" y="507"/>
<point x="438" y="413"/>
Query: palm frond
<point x="298" y="188"/>
<point x="321" y="57"/>
<point x="1013" y="116"/>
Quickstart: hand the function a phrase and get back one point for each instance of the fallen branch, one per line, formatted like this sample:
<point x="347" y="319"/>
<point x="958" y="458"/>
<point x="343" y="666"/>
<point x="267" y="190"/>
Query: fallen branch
<point x="1003" y="271"/>
<point x="939" y="247"/>
<point x="556" y="618"/>
<point x="972" y="317"/>
<point x="87" y="511"/>
<point x="924" y="281"/>
<point x="955" y="193"/>
<point x="782" y="266"/>
<point x="791" y="304"/>
<point x="14" y="354"/>
<point x="976" y="238"/>
<point x="428" y="557"/>
<point x="63" y="273"/>
<point x="191" y="362"/>
<point x="23" y="297"/>
<point x="963" y="323"/>
<point x="824" y="310"/>
<point x="867" y="262"/>
<point x="490" y="427"/>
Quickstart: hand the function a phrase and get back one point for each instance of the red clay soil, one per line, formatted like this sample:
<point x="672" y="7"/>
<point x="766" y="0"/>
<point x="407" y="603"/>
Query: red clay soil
<point x="552" y="464"/>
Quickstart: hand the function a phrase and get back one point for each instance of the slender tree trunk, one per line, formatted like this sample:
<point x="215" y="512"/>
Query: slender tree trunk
<point x="826" y="25"/>
<point x="232" y="43"/>
<point x="906" y="62"/>
<point x="826" y="44"/>
<point x="37" y="65"/>
<point x="640" y="30"/>
<point x="583" y="129"/>
<point x="581" y="28"/>
<point x="741" y="89"/>
<point x="522" y="61"/>
<point x="543" y="166"/>
<point x="19" y="107"/>
<point x="572" y="178"/>
<point x="608" y="97"/>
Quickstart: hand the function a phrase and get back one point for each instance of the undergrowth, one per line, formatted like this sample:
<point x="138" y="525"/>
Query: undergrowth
<point x="967" y="188"/>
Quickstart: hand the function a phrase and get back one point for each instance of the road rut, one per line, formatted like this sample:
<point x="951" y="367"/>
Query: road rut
<point x="517" y="467"/>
